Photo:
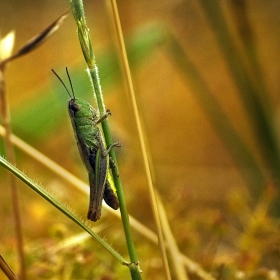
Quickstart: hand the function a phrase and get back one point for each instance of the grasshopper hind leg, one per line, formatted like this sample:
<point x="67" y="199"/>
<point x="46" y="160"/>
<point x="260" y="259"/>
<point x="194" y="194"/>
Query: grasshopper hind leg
<point x="110" y="197"/>
<point x="95" y="204"/>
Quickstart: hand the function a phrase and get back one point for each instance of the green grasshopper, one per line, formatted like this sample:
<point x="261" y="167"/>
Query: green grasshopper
<point x="93" y="152"/>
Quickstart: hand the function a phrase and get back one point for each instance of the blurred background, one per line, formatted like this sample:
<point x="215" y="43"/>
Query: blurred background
<point x="207" y="79"/>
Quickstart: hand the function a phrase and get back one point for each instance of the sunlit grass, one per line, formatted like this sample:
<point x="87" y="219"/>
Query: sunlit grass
<point x="214" y="176"/>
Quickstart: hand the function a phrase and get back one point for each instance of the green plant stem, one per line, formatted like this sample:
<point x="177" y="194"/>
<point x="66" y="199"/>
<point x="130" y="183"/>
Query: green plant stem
<point x="85" y="41"/>
<point x="55" y="202"/>
<point x="116" y="176"/>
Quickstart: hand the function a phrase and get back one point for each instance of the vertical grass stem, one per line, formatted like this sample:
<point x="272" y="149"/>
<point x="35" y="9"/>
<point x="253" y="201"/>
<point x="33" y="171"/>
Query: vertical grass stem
<point x="85" y="41"/>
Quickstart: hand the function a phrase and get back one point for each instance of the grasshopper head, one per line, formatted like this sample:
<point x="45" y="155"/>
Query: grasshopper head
<point x="79" y="108"/>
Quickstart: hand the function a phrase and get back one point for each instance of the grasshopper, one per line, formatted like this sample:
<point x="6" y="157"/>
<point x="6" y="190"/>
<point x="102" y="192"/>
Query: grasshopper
<point x="93" y="152"/>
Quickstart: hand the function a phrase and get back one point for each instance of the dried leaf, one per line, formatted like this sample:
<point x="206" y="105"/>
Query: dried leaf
<point x="37" y="40"/>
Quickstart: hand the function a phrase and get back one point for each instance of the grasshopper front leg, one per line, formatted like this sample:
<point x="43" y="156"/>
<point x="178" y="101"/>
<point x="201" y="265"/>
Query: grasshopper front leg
<point x="105" y="116"/>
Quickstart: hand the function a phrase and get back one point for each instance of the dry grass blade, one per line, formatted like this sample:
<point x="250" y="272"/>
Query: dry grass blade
<point x="128" y="80"/>
<point x="174" y="251"/>
<point x="6" y="269"/>
<point x="37" y="40"/>
<point x="6" y="45"/>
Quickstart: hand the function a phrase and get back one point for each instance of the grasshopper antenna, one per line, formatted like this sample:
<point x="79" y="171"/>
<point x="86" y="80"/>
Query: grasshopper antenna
<point x="64" y="84"/>
<point x="70" y="83"/>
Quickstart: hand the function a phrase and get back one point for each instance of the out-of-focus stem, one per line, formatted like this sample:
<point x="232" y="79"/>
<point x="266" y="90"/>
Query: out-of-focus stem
<point x="5" y="112"/>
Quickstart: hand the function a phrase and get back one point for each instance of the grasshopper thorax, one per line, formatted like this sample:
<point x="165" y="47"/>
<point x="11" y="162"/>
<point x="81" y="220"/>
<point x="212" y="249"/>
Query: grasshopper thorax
<point x="80" y="108"/>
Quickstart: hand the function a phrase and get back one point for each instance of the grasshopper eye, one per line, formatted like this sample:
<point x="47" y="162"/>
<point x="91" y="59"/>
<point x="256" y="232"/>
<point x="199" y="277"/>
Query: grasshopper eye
<point x="74" y="107"/>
